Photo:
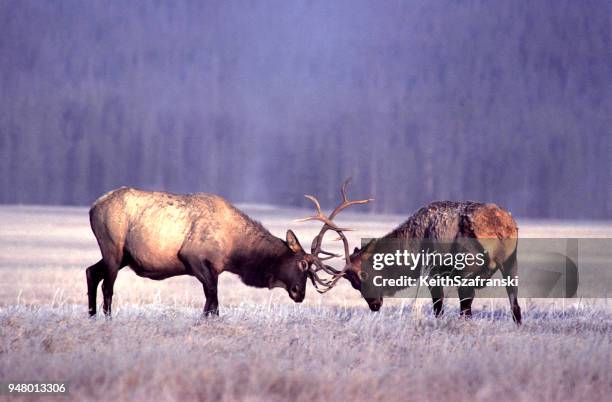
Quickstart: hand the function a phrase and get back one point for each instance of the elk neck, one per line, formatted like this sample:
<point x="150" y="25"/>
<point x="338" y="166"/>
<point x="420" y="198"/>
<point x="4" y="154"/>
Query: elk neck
<point x="256" y="254"/>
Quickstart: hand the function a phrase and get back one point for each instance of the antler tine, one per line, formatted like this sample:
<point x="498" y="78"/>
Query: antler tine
<point x="331" y="270"/>
<point x="345" y="183"/>
<point x="322" y="267"/>
<point x="345" y="201"/>
<point x="320" y="216"/>
<point x="329" y="254"/>
<point x="327" y="285"/>
<point x="315" y="278"/>
<point x="315" y="201"/>
<point x="347" y="254"/>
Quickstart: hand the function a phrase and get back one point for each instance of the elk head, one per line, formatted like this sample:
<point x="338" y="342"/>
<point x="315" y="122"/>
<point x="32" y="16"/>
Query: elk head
<point x="352" y="267"/>
<point x="355" y="275"/>
<point x="290" y="271"/>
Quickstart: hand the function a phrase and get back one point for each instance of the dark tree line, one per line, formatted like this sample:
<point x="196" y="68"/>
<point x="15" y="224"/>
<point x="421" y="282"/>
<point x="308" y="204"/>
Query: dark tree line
<point x="507" y="102"/>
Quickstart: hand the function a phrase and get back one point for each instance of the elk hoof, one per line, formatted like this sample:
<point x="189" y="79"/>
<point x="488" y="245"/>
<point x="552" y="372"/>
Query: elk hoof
<point x="210" y="313"/>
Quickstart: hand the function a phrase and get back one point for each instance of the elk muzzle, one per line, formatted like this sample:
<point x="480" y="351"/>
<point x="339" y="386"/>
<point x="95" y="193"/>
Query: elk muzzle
<point x="297" y="293"/>
<point x="374" y="303"/>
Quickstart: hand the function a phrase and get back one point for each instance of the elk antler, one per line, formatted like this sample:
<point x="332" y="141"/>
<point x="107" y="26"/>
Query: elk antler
<point x="328" y="224"/>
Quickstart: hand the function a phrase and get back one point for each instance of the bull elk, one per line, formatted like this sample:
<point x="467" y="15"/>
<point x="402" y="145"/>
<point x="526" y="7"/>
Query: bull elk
<point x="160" y="235"/>
<point x="493" y="229"/>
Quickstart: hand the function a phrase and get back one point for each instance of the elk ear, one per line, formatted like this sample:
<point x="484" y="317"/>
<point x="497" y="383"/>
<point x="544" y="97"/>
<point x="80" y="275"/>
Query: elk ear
<point x="356" y="250"/>
<point x="293" y="242"/>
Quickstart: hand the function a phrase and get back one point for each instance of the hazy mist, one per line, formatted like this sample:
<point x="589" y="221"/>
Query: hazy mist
<point x="507" y="102"/>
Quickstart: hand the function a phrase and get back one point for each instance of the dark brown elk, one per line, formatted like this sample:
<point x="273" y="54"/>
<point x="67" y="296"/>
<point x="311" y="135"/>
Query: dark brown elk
<point x="494" y="230"/>
<point x="160" y="235"/>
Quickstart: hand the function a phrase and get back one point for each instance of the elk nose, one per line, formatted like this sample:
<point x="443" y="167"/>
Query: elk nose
<point x="375" y="305"/>
<point x="296" y="294"/>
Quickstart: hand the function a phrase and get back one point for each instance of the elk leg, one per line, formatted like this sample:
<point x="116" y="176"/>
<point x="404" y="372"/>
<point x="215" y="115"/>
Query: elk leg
<point x="209" y="279"/>
<point x="107" y="289"/>
<point x="510" y="270"/>
<point x="94" y="276"/>
<point x="466" y="296"/>
<point x="437" y="296"/>
<point x="211" y="307"/>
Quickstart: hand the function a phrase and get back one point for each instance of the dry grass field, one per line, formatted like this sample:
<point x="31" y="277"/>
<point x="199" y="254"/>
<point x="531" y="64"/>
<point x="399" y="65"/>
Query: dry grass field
<point x="263" y="347"/>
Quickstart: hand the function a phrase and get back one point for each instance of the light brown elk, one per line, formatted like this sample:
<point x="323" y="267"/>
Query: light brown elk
<point x="160" y="235"/>
<point x="493" y="230"/>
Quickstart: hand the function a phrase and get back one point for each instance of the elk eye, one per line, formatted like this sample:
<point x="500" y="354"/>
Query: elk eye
<point x="303" y="265"/>
<point x="363" y="275"/>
